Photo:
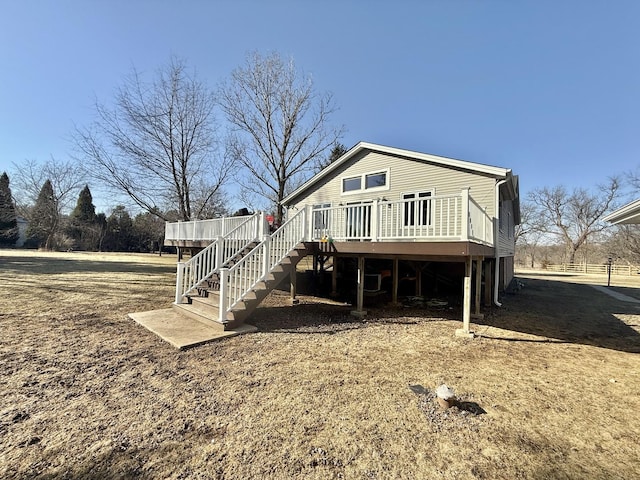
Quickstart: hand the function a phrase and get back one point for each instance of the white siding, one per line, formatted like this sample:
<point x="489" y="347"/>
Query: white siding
<point x="507" y="244"/>
<point x="405" y="176"/>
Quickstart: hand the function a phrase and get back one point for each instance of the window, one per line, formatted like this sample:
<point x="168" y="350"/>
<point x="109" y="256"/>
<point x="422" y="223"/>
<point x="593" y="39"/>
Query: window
<point x="417" y="209"/>
<point x="321" y="216"/>
<point x="351" y="184"/>
<point x="367" y="181"/>
<point x="374" y="180"/>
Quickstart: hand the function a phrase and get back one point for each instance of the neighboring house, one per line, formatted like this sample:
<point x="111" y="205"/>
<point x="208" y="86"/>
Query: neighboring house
<point x="382" y="209"/>
<point x="629" y="214"/>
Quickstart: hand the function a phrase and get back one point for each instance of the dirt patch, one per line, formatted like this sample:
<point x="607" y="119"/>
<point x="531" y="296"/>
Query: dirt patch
<point x="316" y="393"/>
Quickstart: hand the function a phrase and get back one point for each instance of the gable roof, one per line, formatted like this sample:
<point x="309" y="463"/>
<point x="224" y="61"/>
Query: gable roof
<point x="398" y="152"/>
<point x="629" y="214"/>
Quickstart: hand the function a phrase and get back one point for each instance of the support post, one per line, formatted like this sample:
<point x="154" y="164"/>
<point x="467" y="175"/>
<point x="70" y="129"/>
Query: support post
<point x="334" y="277"/>
<point x="476" y="310"/>
<point x="396" y="281"/>
<point x="465" y="331"/>
<point x="293" y="278"/>
<point x="359" y="312"/>
<point x="418" y="269"/>
<point x="488" y="283"/>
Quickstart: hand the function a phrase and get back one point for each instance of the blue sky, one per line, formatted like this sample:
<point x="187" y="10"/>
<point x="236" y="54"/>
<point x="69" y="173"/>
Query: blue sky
<point x="550" y="89"/>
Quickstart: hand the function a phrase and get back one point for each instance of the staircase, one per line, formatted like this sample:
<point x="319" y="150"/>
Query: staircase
<point x="223" y="284"/>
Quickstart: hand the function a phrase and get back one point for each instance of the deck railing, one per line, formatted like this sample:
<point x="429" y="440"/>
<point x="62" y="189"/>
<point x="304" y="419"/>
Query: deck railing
<point x="204" y="229"/>
<point x="431" y="218"/>
<point x="480" y="223"/>
<point x="434" y="218"/>
<point x="243" y="276"/>
<point x="201" y="266"/>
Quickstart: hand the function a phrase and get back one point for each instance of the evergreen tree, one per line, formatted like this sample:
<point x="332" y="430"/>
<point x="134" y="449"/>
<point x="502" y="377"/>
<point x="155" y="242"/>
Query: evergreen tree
<point x="148" y="231"/>
<point x="8" y="220"/>
<point x="44" y="219"/>
<point x="82" y="222"/>
<point x="119" y="233"/>
<point x="336" y="152"/>
<point x="85" y="211"/>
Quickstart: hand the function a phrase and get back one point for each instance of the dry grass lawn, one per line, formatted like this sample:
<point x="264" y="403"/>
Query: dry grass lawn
<point x="87" y="393"/>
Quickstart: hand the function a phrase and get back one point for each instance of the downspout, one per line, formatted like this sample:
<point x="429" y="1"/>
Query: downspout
<point x="496" y="240"/>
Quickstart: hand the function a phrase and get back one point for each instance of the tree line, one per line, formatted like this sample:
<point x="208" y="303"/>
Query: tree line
<point x="82" y="229"/>
<point x="566" y="226"/>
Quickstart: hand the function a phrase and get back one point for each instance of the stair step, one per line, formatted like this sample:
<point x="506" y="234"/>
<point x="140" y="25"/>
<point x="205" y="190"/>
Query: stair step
<point x="204" y="308"/>
<point x="194" y="313"/>
<point x="208" y="302"/>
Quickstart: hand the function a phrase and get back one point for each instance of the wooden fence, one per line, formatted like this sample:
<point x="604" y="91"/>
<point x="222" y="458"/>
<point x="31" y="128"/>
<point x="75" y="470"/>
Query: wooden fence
<point x="598" y="269"/>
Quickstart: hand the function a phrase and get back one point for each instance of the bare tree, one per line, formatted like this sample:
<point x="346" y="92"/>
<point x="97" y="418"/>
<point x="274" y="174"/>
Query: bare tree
<point x="29" y="176"/>
<point x="280" y="125"/>
<point x="624" y="243"/>
<point x="156" y="142"/>
<point x="575" y="216"/>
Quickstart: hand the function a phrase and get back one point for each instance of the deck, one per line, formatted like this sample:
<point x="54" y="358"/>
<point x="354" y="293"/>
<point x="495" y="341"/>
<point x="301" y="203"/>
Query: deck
<point x="445" y="226"/>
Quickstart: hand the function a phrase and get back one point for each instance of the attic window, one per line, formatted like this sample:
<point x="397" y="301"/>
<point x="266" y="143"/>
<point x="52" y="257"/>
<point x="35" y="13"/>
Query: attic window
<point x="375" y="180"/>
<point x="366" y="181"/>
<point x="351" y="184"/>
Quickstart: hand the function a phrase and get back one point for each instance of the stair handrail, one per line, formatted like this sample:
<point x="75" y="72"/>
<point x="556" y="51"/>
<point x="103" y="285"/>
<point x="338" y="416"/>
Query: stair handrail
<point x="242" y="277"/>
<point x="218" y="253"/>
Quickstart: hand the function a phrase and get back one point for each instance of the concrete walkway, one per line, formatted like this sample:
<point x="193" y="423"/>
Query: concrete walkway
<point x="619" y="296"/>
<point x="183" y="332"/>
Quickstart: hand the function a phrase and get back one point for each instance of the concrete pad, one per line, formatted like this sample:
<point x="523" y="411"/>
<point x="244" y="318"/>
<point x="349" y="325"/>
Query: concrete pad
<point x="183" y="332"/>
<point x="617" y="295"/>
<point x="461" y="332"/>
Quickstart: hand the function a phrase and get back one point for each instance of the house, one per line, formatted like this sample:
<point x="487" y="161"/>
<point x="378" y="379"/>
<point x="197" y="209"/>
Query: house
<point x="626" y="215"/>
<point x="384" y="209"/>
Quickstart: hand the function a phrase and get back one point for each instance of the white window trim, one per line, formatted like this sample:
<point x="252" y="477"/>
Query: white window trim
<point x="363" y="178"/>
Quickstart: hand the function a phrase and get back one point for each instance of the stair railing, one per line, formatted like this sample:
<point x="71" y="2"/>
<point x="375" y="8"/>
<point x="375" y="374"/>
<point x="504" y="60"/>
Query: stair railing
<point x="201" y="266"/>
<point x="242" y="277"/>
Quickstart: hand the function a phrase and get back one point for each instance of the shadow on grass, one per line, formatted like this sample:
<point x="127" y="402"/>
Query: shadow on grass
<point x="569" y="313"/>
<point x="53" y="266"/>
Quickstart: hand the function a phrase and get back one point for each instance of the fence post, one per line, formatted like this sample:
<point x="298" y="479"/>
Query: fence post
<point x="224" y="293"/>
<point x="179" y="282"/>
<point x="464" y="221"/>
